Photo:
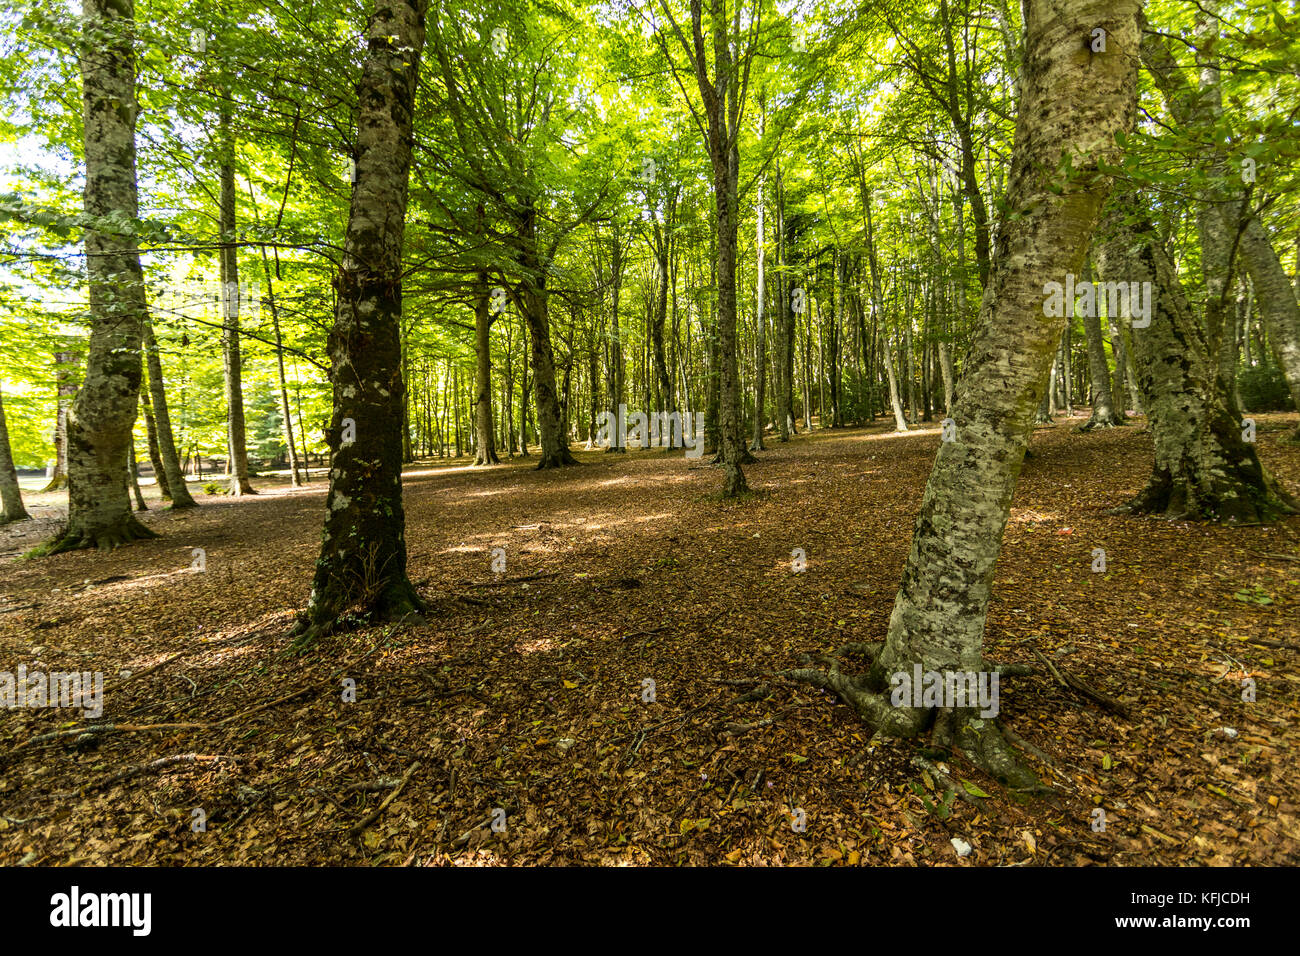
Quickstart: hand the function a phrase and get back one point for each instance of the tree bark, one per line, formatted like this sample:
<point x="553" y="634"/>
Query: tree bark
<point x="485" y="450"/>
<point x="65" y="391"/>
<point x="295" y="478"/>
<point x="1204" y="469"/>
<point x="1103" y="406"/>
<point x="104" y="411"/>
<point x="1277" y="304"/>
<point x="362" y="560"/>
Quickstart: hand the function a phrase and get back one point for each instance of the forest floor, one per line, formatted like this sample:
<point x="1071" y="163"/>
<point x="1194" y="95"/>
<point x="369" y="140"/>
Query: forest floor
<point x="524" y="691"/>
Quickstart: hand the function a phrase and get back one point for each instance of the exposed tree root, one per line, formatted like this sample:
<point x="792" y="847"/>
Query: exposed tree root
<point x="105" y="539"/>
<point x="397" y="603"/>
<point x="979" y="739"/>
<point x="560" y="459"/>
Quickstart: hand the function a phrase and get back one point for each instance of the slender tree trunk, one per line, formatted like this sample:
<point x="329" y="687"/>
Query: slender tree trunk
<point x="133" y="476"/>
<point x="1278" y="308"/>
<point x="1073" y="103"/>
<point x="104" y="411"/>
<point x="155" y="458"/>
<point x="180" y="492"/>
<point x="11" y="497"/>
<point x="362" y="560"/>
<point x="485" y="450"/>
<point x="1103" y="406"/>
<point x="294" y="477"/>
<point x="236" y="431"/>
<point x="760" y="343"/>
<point x="65" y="390"/>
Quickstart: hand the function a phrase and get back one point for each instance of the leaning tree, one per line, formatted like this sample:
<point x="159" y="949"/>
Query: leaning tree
<point x="1074" y="100"/>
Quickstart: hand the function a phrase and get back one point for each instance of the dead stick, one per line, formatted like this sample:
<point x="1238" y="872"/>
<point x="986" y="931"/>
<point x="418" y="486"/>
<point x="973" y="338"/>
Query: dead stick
<point x="357" y="828"/>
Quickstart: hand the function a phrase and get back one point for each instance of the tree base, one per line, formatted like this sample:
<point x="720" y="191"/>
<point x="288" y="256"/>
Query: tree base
<point x="1242" y="501"/>
<point x="979" y="739"/>
<point x="398" y="603"/>
<point x="1101" y="421"/>
<point x="105" y="539"/>
<point x="558" y="459"/>
<point x="57" y="483"/>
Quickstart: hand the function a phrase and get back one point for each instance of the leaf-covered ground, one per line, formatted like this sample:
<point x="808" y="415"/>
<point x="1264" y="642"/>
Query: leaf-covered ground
<point x="524" y="691"/>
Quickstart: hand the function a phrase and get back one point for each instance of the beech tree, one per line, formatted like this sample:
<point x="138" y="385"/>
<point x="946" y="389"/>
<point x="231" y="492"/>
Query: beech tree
<point x="362" y="560"/>
<point x="104" y="412"/>
<point x="1073" y="103"/>
<point x="1205" y="465"/>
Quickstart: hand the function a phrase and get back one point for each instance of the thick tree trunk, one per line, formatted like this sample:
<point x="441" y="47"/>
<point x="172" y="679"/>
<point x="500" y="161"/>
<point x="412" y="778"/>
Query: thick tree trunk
<point x="104" y="412"/>
<point x="1073" y="103"/>
<point x="236" y="431"/>
<point x="362" y="560"/>
<point x="485" y="449"/>
<point x="180" y="492"/>
<point x="1204" y="469"/>
<point x="11" y="497"/>
<point x="1278" y="308"/>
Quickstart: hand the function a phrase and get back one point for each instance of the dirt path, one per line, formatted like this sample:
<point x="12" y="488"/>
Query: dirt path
<point x="526" y="694"/>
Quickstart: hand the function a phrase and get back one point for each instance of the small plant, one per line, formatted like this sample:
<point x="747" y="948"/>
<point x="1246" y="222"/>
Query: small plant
<point x="212" y="488"/>
<point x="1255" y="594"/>
<point x="943" y="808"/>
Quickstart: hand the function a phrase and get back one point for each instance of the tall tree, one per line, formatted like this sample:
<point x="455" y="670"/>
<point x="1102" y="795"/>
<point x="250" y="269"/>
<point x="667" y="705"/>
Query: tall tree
<point x="1204" y="465"/>
<point x="175" y="478"/>
<point x="104" y="411"/>
<point x="1073" y="102"/>
<point x="362" y="559"/>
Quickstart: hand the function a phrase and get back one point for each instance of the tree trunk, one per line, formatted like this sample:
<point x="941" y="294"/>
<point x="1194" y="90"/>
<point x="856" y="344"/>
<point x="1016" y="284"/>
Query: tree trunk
<point x="362" y="560"/>
<point x="485" y="450"/>
<point x="295" y="478"/>
<point x="1204" y="469"/>
<point x="1103" y="406"/>
<point x="180" y="492"/>
<point x="65" y="390"/>
<point x="155" y="457"/>
<point x="1073" y="103"/>
<point x="11" y="496"/>
<point x="1278" y="308"/>
<point x="760" y="338"/>
<point x="104" y="411"/>
<point x="236" y="431"/>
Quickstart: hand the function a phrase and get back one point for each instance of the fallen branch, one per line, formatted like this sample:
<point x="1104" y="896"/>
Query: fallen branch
<point x="1067" y="679"/>
<point x="155" y="765"/>
<point x="358" y="827"/>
